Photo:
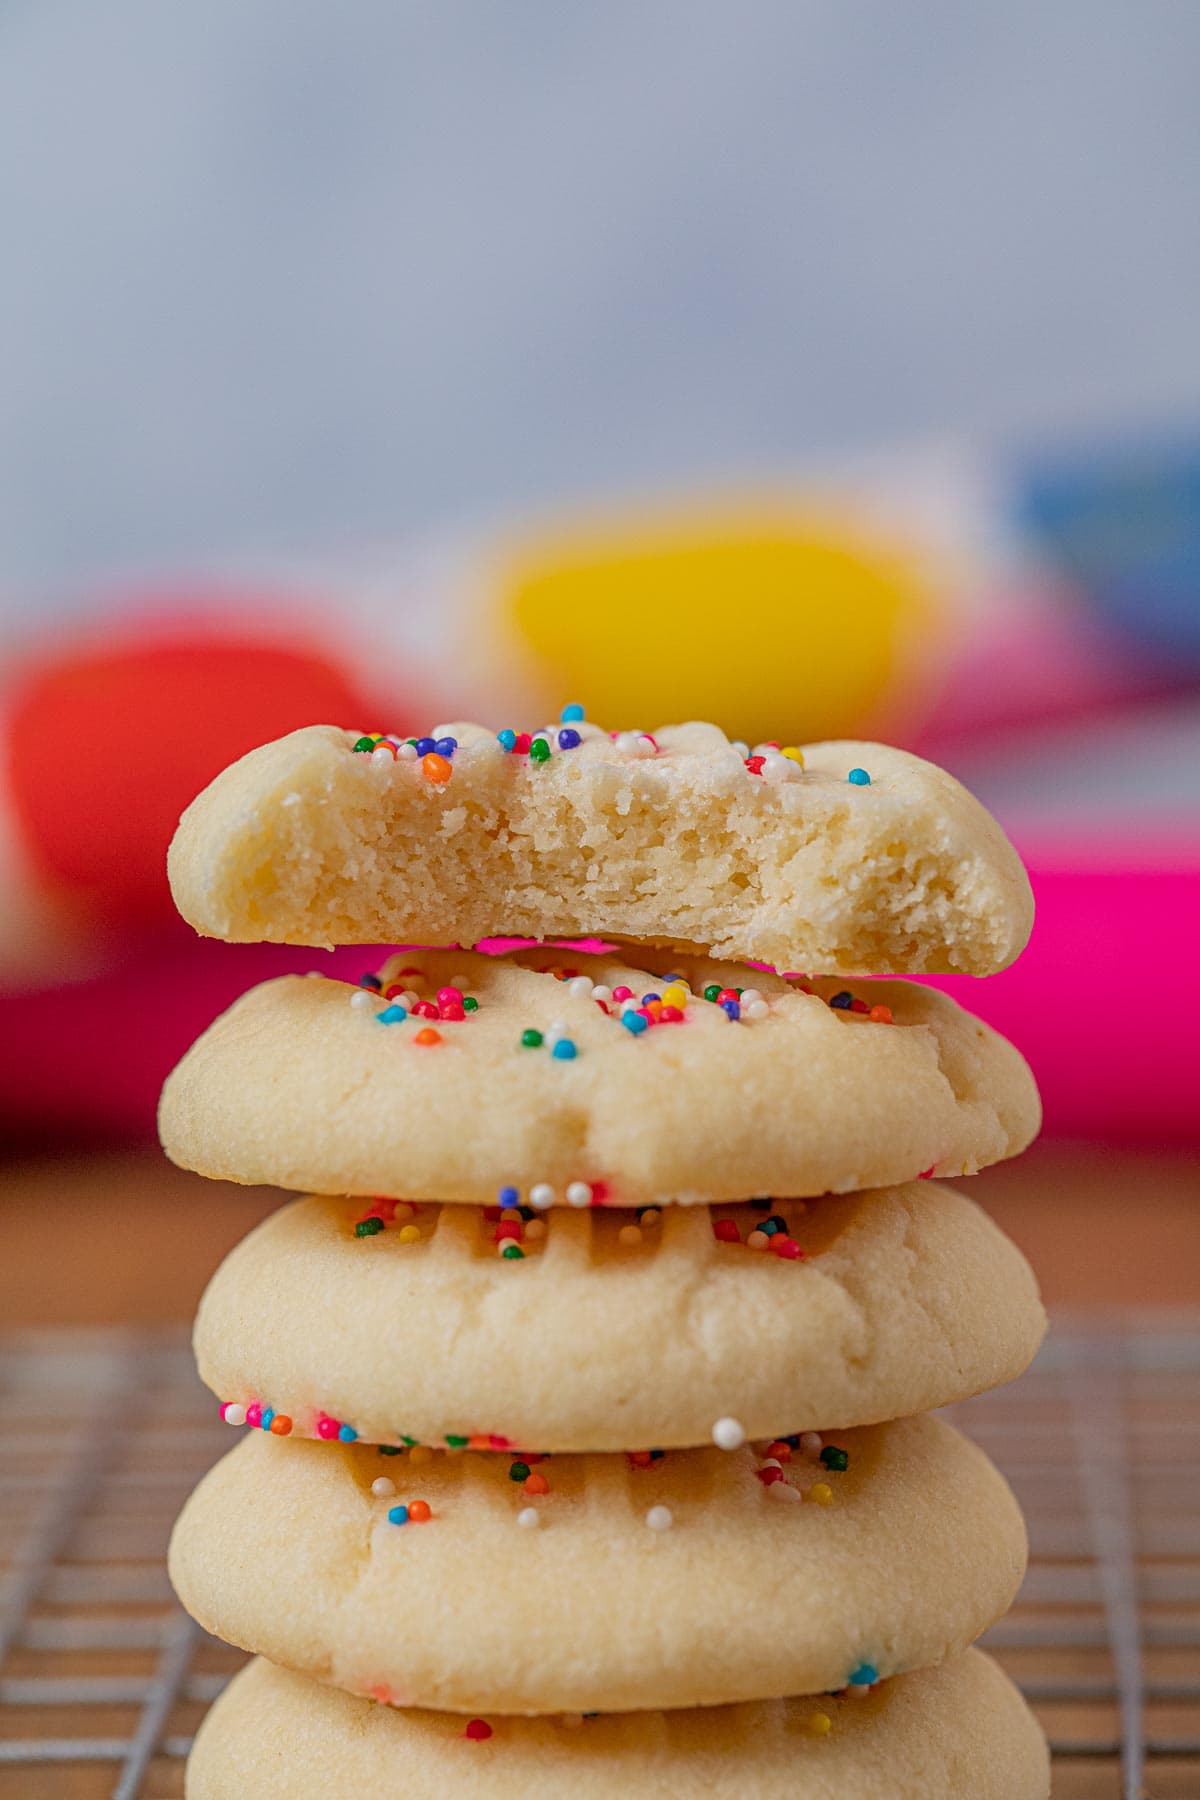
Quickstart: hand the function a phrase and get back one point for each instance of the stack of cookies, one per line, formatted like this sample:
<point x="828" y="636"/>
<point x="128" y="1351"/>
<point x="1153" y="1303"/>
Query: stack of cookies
<point x="589" y="1387"/>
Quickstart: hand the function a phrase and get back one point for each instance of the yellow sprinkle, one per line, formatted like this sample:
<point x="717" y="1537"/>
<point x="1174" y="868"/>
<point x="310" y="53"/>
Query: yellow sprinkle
<point x="818" y="1724"/>
<point x="410" y="1234"/>
<point x="629" y="1235"/>
<point x="535" y="1229"/>
<point x="821" y="1493"/>
<point x="651" y="1216"/>
<point x="420" y="1453"/>
<point x="796" y="756"/>
<point x="674" y="995"/>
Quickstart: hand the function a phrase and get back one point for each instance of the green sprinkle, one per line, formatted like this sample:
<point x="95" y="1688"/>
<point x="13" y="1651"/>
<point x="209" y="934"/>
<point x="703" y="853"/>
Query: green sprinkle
<point x="411" y="1443"/>
<point x="368" y="1227"/>
<point x="518" y="1471"/>
<point x="457" y="1443"/>
<point x="512" y="1253"/>
<point x="529" y="1039"/>
<point x="392" y="1449"/>
<point x="710" y="993"/>
<point x="539" y="750"/>
<point x="833" y="1458"/>
<point x="470" y="1004"/>
<point x="365" y="743"/>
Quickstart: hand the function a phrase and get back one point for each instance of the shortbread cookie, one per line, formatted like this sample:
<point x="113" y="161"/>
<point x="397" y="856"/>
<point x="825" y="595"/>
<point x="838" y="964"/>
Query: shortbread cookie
<point x="957" y="1732"/>
<point x="312" y="1084"/>
<point x="842" y="856"/>
<point x="401" y="1322"/>
<point x="592" y="1583"/>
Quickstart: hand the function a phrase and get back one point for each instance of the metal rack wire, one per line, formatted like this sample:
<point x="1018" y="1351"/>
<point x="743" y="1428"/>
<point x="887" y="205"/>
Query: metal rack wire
<point x="103" y="1680"/>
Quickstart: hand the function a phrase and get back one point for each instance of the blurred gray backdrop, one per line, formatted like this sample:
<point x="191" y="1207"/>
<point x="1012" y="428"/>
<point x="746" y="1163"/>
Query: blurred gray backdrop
<point x="287" y="275"/>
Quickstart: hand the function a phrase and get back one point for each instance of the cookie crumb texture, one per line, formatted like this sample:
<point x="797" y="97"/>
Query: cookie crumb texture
<point x="305" y="841"/>
<point x="285" y="1549"/>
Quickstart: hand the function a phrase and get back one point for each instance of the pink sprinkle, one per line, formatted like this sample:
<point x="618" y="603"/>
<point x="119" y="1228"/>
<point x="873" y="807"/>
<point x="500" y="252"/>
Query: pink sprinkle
<point x="622" y="993"/>
<point x="254" y="1413"/>
<point x="326" y="1427"/>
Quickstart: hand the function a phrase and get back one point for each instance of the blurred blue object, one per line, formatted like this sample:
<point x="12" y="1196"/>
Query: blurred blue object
<point x="1124" y="525"/>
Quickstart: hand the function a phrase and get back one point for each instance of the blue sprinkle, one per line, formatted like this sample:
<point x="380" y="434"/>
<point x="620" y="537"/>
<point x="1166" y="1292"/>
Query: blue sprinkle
<point x="391" y="1015"/>
<point x="446" y="747"/>
<point x="347" y="1434"/>
<point x="370" y="981"/>
<point x="770" y="1227"/>
<point x="508" y="1196"/>
<point x="564" y="1049"/>
<point x="572" y="714"/>
<point x="859" y="777"/>
<point x="731" y="1009"/>
<point x="843" y="1001"/>
<point x="647" y="998"/>
<point x="633" y="1021"/>
<point x="866" y="1675"/>
<point x="398" y="1515"/>
<point x="793" y="1439"/>
<point x="657" y="1455"/>
<point x="506" y="738"/>
<point x="568" y="739"/>
<point x="268" y="1413"/>
<point x="426" y="746"/>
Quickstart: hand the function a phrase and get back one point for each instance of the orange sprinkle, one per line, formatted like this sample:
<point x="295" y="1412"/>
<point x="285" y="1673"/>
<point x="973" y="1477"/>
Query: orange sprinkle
<point x="419" y="1511"/>
<point x="436" y="768"/>
<point x="428" y="1036"/>
<point x="881" y="1014"/>
<point x="780" y="1451"/>
<point x="281" y="1425"/>
<point x="536" y="1484"/>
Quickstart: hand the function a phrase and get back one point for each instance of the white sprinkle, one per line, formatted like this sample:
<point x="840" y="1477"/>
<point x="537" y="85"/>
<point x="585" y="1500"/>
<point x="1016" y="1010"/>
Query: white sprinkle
<point x="629" y="1235"/>
<point x="529" y="1518"/>
<point x="579" y="1193"/>
<point x="405" y="753"/>
<point x="660" y="1518"/>
<point x="810" y="1446"/>
<point x="558" y="1028"/>
<point x="314" y="974"/>
<point x="409" y="998"/>
<point x="380" y="755"/>
<point x="235" y="1415"/>
<point x="771" y="1462"/>
<point x="363" y="997"/>
<point x="627" y="742"/>
<point x="572" y="1721"/>
<point x="461" y="982"/>
<point x="779" y="768"/>
<point x="541" y="1196"/>
<point x="758" y="1240"/>
<point x="859" y="1689"/>
<point x="757" y="1009"/>
<point x="580" y="986"/>
<point x="600" y="992"/>
<point x="749" y="996"/>
<point x="535" y="1229"/>
<point x="382" y="1488"/>
<point x="728" y="1434"/>
<point x="743" y="750"/>
<point x="779" y="1490"/>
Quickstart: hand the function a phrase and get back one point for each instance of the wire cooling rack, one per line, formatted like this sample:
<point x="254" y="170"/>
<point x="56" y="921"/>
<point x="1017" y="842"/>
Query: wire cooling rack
<point x="103" y="1680"/>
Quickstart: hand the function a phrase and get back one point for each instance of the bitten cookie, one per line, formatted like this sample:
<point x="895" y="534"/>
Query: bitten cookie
<point x="842" y="856"/>
<point x="402" y="1321"/>
<point x="957" y="1732"/>
<point x="571" y="1077"/>
<point x="590" y="1584"/>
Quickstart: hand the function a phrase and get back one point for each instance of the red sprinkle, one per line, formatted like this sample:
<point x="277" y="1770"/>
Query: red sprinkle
<point x="780" y="1451"/>
<point x="786" y="1247"/>
<point x="477" y="1729"/>
<point x="669" y="1015"/>
<point x="726" y="1230"/>
<point x="755" y="764"/>
<point x="521" y="747"/>
<point x="767" y="1476"/>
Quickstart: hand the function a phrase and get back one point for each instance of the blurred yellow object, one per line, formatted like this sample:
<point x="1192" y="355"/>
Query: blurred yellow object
<point x="772" y="623"/>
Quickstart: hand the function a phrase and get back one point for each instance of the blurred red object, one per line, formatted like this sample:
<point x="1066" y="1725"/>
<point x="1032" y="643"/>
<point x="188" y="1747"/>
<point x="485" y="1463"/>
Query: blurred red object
<point x="105" y="748"/>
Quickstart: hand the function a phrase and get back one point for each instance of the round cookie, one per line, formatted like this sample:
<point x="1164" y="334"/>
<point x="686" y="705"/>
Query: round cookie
<point x="944" y="1733"/>
<point x="842" y="856"/>
<point x="701" y="1578"/>
<point x="904" y="1299"/>
<point x="315" y="1084"/>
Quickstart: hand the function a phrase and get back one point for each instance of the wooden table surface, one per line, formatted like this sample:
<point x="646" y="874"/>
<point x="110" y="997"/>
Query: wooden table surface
<point x="120" y="1238"/>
